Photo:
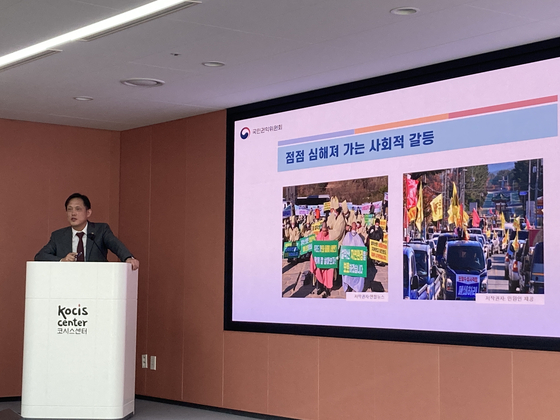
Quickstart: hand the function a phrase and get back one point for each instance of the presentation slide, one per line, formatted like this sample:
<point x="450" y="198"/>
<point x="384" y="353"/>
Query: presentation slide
<point x="353" y="213"/>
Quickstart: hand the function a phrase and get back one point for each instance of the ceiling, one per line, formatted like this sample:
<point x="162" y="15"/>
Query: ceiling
<point x="271" y="48"/>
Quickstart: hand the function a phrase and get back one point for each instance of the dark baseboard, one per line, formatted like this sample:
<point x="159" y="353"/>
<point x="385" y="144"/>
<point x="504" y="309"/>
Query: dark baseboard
<point x="191" y="405"/>
<point x="216" y="409"/>
<point x="8" y="399"/>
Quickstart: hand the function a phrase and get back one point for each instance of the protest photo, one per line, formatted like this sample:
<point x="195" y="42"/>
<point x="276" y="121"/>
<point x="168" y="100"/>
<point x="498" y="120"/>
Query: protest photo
<point x="474" y="233"/>
<point x="334" y="239"/>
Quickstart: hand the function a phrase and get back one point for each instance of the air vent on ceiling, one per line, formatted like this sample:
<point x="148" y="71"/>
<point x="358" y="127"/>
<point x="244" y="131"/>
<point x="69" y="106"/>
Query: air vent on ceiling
<point x="26" y="60"/>
<point x="139" y="21"/>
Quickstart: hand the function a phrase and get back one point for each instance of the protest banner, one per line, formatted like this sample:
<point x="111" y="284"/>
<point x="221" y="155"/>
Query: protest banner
<point x="379" y="251"/>
<point x="305" y="244"/>
<point x="302" y="211"/>
<point x="316" y="227"/>
<point x="353" y="261"/>
<point x="325" y="254"/>
<point x="291" y="249"/>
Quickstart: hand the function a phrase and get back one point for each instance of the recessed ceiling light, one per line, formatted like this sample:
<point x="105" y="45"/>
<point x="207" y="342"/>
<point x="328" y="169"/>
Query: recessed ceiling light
<point x="405" y="11"/>
<point x="142" y="82"/>
<point x="83" y="98"/>
<point x="213" y="64"/>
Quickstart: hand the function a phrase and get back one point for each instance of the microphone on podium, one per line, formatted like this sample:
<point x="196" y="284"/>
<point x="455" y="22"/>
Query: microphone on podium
<point x="91" y="236"/>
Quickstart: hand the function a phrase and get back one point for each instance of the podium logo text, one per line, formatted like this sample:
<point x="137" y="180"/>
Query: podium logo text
<point x="72" y="320"/>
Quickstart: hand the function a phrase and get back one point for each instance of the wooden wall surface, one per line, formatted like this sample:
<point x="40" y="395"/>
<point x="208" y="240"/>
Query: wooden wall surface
<point x="40" y="166"/>
<point x="178" y="169"/>
<point x="162" y="188"/>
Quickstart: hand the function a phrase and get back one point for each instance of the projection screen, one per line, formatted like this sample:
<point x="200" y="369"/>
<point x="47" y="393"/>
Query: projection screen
<point x="408" y="207"/>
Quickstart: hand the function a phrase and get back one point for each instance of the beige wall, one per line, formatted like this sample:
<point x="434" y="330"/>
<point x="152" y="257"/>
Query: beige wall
<point x="164" y="171"/>
<point x="40" y="166"/>
<point x="173" y="167"/>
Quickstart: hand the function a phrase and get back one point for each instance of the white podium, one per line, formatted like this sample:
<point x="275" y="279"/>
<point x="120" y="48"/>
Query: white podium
<point x="79" y="340"/>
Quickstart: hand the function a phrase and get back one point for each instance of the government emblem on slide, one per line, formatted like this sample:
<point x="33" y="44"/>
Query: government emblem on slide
<point x="245" y="131"/>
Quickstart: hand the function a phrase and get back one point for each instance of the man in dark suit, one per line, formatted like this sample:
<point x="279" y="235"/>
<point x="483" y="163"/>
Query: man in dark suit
<point x="83" y="240"/>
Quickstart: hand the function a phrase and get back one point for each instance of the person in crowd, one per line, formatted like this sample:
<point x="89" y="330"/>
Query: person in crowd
<point x="362" y="231"/>
<point x="338" y="228"/>
<point x="293" y="231"/>
<point x="306" y="231"/>
<point x="384" y="207"/>
<point x="324" y="276"/>
<point x="352" y="238"/>
<point x="317" y="213"/>
<point x="310" y="217"/>
<point x="375" y="233"/>
<point x="348" y="213"/>
<point x="331" y="218"/>
<point x="286" y="230"/>
<point x="360" y="217"/>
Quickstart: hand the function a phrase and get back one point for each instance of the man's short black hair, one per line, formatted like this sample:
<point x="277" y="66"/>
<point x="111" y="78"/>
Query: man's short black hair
<point x="87" y="203"/>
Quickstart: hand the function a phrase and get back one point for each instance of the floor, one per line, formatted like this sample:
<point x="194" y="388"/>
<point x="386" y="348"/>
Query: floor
<point x="151" y="410"/>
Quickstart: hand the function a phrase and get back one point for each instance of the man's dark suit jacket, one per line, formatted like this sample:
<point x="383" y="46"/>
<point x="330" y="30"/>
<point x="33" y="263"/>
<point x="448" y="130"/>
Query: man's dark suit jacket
<point x="60" y="244"/>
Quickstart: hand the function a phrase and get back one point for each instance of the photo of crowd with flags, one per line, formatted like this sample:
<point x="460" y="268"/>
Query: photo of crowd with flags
<point x="334" y="238"/>
<point x="472" y="230"/>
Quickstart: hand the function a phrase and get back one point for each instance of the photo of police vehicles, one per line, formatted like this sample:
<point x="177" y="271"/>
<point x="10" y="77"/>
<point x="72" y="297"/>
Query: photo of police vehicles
<point x="476" y="229"/>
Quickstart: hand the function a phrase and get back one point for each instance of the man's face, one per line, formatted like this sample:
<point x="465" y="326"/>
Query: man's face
<point x="77" y="213"/>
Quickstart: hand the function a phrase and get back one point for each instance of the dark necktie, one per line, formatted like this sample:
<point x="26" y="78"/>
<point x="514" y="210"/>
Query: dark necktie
<point x="80" y="249"/>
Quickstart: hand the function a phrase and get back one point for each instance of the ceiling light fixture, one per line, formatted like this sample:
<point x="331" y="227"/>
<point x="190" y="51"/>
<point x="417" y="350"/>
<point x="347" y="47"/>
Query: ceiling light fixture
<point x="28" y="59"/>
<point x="104" y="27"/>
<point x="83" y="98"/>
<point x="405" y="11"/>
<point x="142" y="82"/>
<point x="213" y="64"/>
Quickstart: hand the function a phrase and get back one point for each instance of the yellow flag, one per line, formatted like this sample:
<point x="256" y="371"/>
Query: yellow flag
<point x="412" y="214"/>
<point x="420" y="207"/>
<point x="516" y="223"/>
<point x="515" y="242"/>
<point x="453" y="211"/>
<point x="437" y="208"/>
<point x="450" y="214"/>
<point x="503" y="220"/>
<point x="455" y="197"/>
<point x="505" y="239"/>
<point x="466" y="218"/>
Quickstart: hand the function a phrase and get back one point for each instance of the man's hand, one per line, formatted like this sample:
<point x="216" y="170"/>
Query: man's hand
<point x="134" y="262"/>
<point x="73" y="256"/>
